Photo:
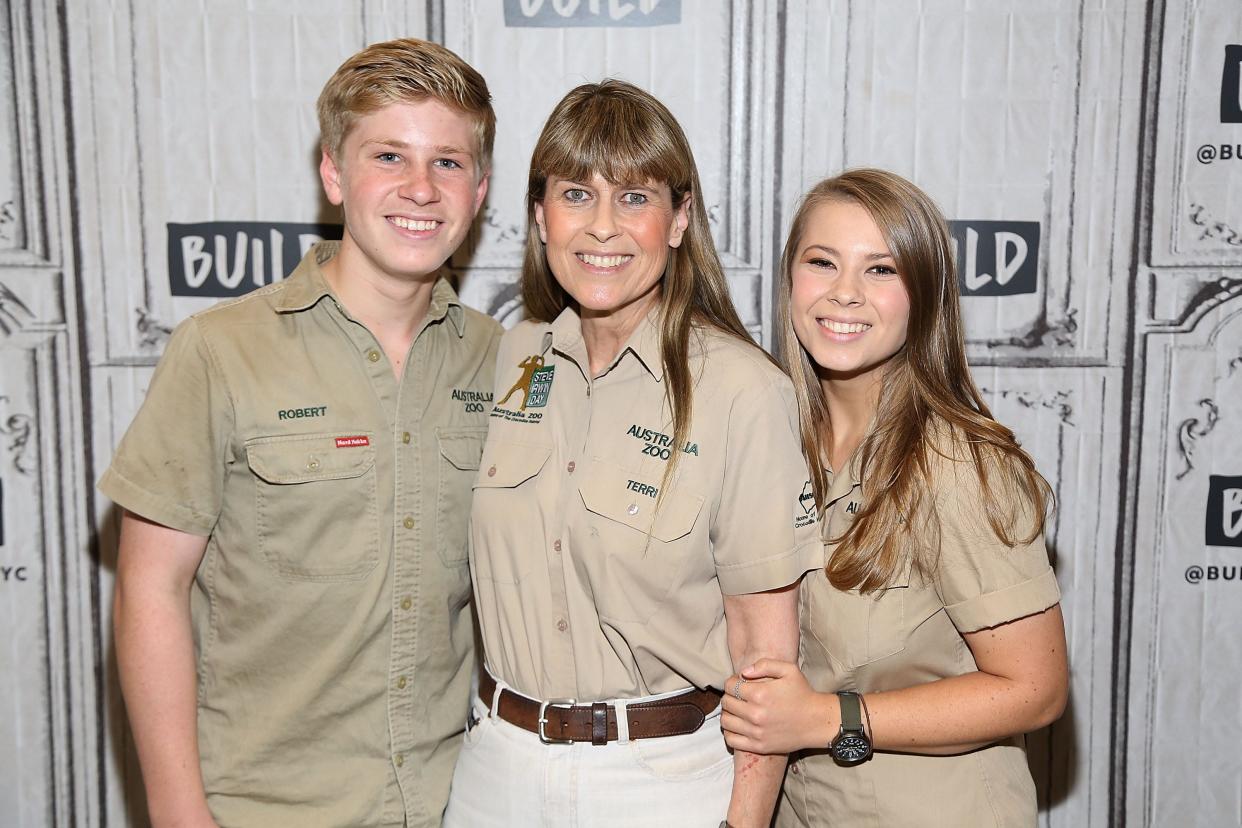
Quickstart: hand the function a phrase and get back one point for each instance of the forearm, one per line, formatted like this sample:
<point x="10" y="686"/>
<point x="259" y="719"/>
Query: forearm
<point x="947" y="716"/>
<point x="761" y="626"/>
<point x="155" y="655"/>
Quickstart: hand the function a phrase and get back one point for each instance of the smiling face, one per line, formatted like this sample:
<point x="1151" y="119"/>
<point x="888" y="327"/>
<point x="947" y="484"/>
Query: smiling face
<point x="607" y="245"/>
<point x="409" y="178"/>
<point x="849" y="306"/>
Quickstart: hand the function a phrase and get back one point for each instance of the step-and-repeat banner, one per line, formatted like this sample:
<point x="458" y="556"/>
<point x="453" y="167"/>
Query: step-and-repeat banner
<point x="156" y="157"/>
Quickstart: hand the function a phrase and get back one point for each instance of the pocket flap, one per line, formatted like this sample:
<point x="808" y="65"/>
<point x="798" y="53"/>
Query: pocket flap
<point x="505" y="465"/>
<point x="303" y="458"/>
<point x="619" y="496"/>
<point x="462" y="448"/>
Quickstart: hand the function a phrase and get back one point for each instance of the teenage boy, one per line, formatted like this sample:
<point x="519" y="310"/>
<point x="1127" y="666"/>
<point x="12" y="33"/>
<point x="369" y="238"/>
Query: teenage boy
<point x="292" y="626"/>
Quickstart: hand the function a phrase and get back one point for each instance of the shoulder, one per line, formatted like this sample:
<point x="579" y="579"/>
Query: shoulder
<point x="479" y="327"/>
<point x="526" y="336"/>
<point x="732" y="365"/>
<point x="254" y="308"/>
<point x="964" y="474"/>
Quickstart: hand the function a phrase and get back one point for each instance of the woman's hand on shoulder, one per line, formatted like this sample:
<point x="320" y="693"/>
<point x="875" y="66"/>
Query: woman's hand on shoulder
<point x="778" y="712"/>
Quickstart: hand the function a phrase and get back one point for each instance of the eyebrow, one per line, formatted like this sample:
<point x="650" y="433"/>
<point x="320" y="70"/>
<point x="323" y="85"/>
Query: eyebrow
<point x="439" y="149"/>
<point x="834" y="252"/>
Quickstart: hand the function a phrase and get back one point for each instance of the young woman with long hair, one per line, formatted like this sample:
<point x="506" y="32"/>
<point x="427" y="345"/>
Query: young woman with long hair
<point x="932" y="636"/>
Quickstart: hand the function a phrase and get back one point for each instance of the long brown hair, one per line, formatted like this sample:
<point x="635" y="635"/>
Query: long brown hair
<point x="624" y="134"/>
<point x="927" y="396"/>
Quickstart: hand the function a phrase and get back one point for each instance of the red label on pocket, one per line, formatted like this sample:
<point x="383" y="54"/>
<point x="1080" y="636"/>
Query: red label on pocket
<point x="353" y="442"/>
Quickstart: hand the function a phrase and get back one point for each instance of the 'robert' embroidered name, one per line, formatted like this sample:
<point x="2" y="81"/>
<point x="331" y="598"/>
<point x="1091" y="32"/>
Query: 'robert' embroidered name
<point x="298" y="413"/>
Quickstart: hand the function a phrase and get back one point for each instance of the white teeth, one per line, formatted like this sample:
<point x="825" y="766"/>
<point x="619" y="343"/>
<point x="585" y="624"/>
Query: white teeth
<point x="411" y="224"/>
<point x="844" y="327"/>
<point x="603" y="261"/>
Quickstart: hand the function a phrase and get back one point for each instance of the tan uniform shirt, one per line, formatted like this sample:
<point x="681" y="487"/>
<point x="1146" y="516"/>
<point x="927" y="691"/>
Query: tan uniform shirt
<point x="911" y="634"/>
<point x="330" y="612"/>
<point x="595" y="579"/>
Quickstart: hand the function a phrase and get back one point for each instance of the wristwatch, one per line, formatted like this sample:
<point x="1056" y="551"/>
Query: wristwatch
<point x="852" y="745"/>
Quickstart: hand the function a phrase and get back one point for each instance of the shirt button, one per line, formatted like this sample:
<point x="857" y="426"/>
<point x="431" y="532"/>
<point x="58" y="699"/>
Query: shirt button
<point x="312" y="464"/>
<point x="491" y="472"/>
<point x="408" y="523"/>
<point x="406" y="603"/>
<point x="556" y="545"/>
<point x="401" y="683"/>
<point x="398" y="760"/>
<point x="572" y="465"/>
<point x="405" y="436"/>
<point x="632" y="509"/>
<point x="794" y="769"/>
<point x="561" y="624"/>
<point x="373" y="355"/>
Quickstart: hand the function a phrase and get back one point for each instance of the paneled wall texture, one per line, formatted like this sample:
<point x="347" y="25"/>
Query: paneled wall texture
<point x="157" y="156"/>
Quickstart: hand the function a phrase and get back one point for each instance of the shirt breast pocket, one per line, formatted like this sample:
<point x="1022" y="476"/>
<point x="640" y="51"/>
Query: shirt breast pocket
<point x="315" y="509"/>
<point x="636" y="548"/>
<point x="857" y="629"/>
<point x="505" y="519"/>
<point x="460" y="450"/>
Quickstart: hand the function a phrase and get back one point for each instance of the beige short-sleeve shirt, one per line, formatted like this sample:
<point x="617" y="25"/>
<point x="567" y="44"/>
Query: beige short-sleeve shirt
<point x="595" y="579"/>
<point x="330" y="612"/>
<point x="908" y="634"/>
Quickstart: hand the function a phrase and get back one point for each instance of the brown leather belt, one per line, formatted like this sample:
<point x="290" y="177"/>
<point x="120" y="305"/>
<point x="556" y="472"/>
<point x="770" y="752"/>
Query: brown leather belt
<point x="562" y="721"/>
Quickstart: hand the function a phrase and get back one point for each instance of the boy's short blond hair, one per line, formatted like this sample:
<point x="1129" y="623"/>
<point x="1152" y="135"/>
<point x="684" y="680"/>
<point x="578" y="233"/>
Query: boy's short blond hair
<point x="404" y="71"/>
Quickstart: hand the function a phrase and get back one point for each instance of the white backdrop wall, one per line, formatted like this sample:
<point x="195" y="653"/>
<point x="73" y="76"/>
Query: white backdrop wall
<point x="157" y="156"/>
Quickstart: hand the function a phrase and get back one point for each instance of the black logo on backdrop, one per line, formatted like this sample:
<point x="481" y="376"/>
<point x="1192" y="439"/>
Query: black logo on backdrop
<point x="995" y="258"/>
<point x="602" y="13"/>
<point x="230" y="258"/>
<point x="1223" y="526"/>
<point x="1231" y="85"/>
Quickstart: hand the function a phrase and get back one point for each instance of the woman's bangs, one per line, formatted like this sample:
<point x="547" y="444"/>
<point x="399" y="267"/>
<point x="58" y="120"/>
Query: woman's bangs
<point x="615" y="141"/>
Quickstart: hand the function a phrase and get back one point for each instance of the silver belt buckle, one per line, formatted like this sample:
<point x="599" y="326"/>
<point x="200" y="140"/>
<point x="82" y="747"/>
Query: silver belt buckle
<point x="562" y="704"/>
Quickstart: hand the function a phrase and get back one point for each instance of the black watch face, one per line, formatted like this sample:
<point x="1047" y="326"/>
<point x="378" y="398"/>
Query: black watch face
<point x="850" y="749"/>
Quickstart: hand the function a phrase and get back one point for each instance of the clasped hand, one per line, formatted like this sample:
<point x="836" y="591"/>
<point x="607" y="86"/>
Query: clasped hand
<point x="778" y="711"/>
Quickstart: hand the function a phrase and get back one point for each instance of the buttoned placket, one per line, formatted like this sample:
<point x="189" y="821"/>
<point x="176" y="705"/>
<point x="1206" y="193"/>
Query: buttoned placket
<point x="573" y="411"/>
<point x="404" y="403"/>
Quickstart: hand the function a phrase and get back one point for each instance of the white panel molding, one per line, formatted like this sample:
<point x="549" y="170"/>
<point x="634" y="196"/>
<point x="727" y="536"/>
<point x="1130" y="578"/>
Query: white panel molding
<point x="1183" y="655"/>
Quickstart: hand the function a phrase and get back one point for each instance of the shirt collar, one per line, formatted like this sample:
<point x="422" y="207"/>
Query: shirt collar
<point x="644" y="342"/>
<point x="306" y="286"/>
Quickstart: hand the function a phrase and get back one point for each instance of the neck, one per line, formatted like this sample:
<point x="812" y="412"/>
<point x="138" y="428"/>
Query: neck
<point x="391" y="308"/>
<point x="605" y="334"/>
<point x="852" y="403"/>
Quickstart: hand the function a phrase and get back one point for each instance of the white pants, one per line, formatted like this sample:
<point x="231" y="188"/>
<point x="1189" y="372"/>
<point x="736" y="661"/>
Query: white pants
<point x="506" y="776"/>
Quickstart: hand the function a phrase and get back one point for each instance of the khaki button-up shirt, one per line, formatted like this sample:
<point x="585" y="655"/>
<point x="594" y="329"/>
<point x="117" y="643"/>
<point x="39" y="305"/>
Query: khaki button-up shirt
<point x="330" y="612"/>
<point x="595" y="578"/>
<point x="908" y="634"/>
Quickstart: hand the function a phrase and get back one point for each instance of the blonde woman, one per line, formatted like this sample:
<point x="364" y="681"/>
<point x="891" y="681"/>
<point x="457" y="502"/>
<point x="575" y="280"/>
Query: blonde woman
<point x="637" y="525"/>
<point x="932" y="636"/>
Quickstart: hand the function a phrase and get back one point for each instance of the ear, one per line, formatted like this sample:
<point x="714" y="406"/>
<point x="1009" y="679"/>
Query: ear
<point x="330" y="175"/>
<point x="480" y="192"/>
<point x="681" y="220"/>
<point x="543" y="230"/>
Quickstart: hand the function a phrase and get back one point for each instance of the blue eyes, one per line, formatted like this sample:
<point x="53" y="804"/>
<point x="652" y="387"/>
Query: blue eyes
<point x="440" y="163"/>
<point x="577" y="195"/>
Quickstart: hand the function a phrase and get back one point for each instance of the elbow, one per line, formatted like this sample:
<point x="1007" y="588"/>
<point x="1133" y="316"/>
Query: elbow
<point x="1052" y="707"/>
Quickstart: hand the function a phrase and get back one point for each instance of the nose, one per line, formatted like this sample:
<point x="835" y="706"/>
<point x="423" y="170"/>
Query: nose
<point x="419" y="186"/>
<point x="846" y="289"/>
<point x="603" y="223"/>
